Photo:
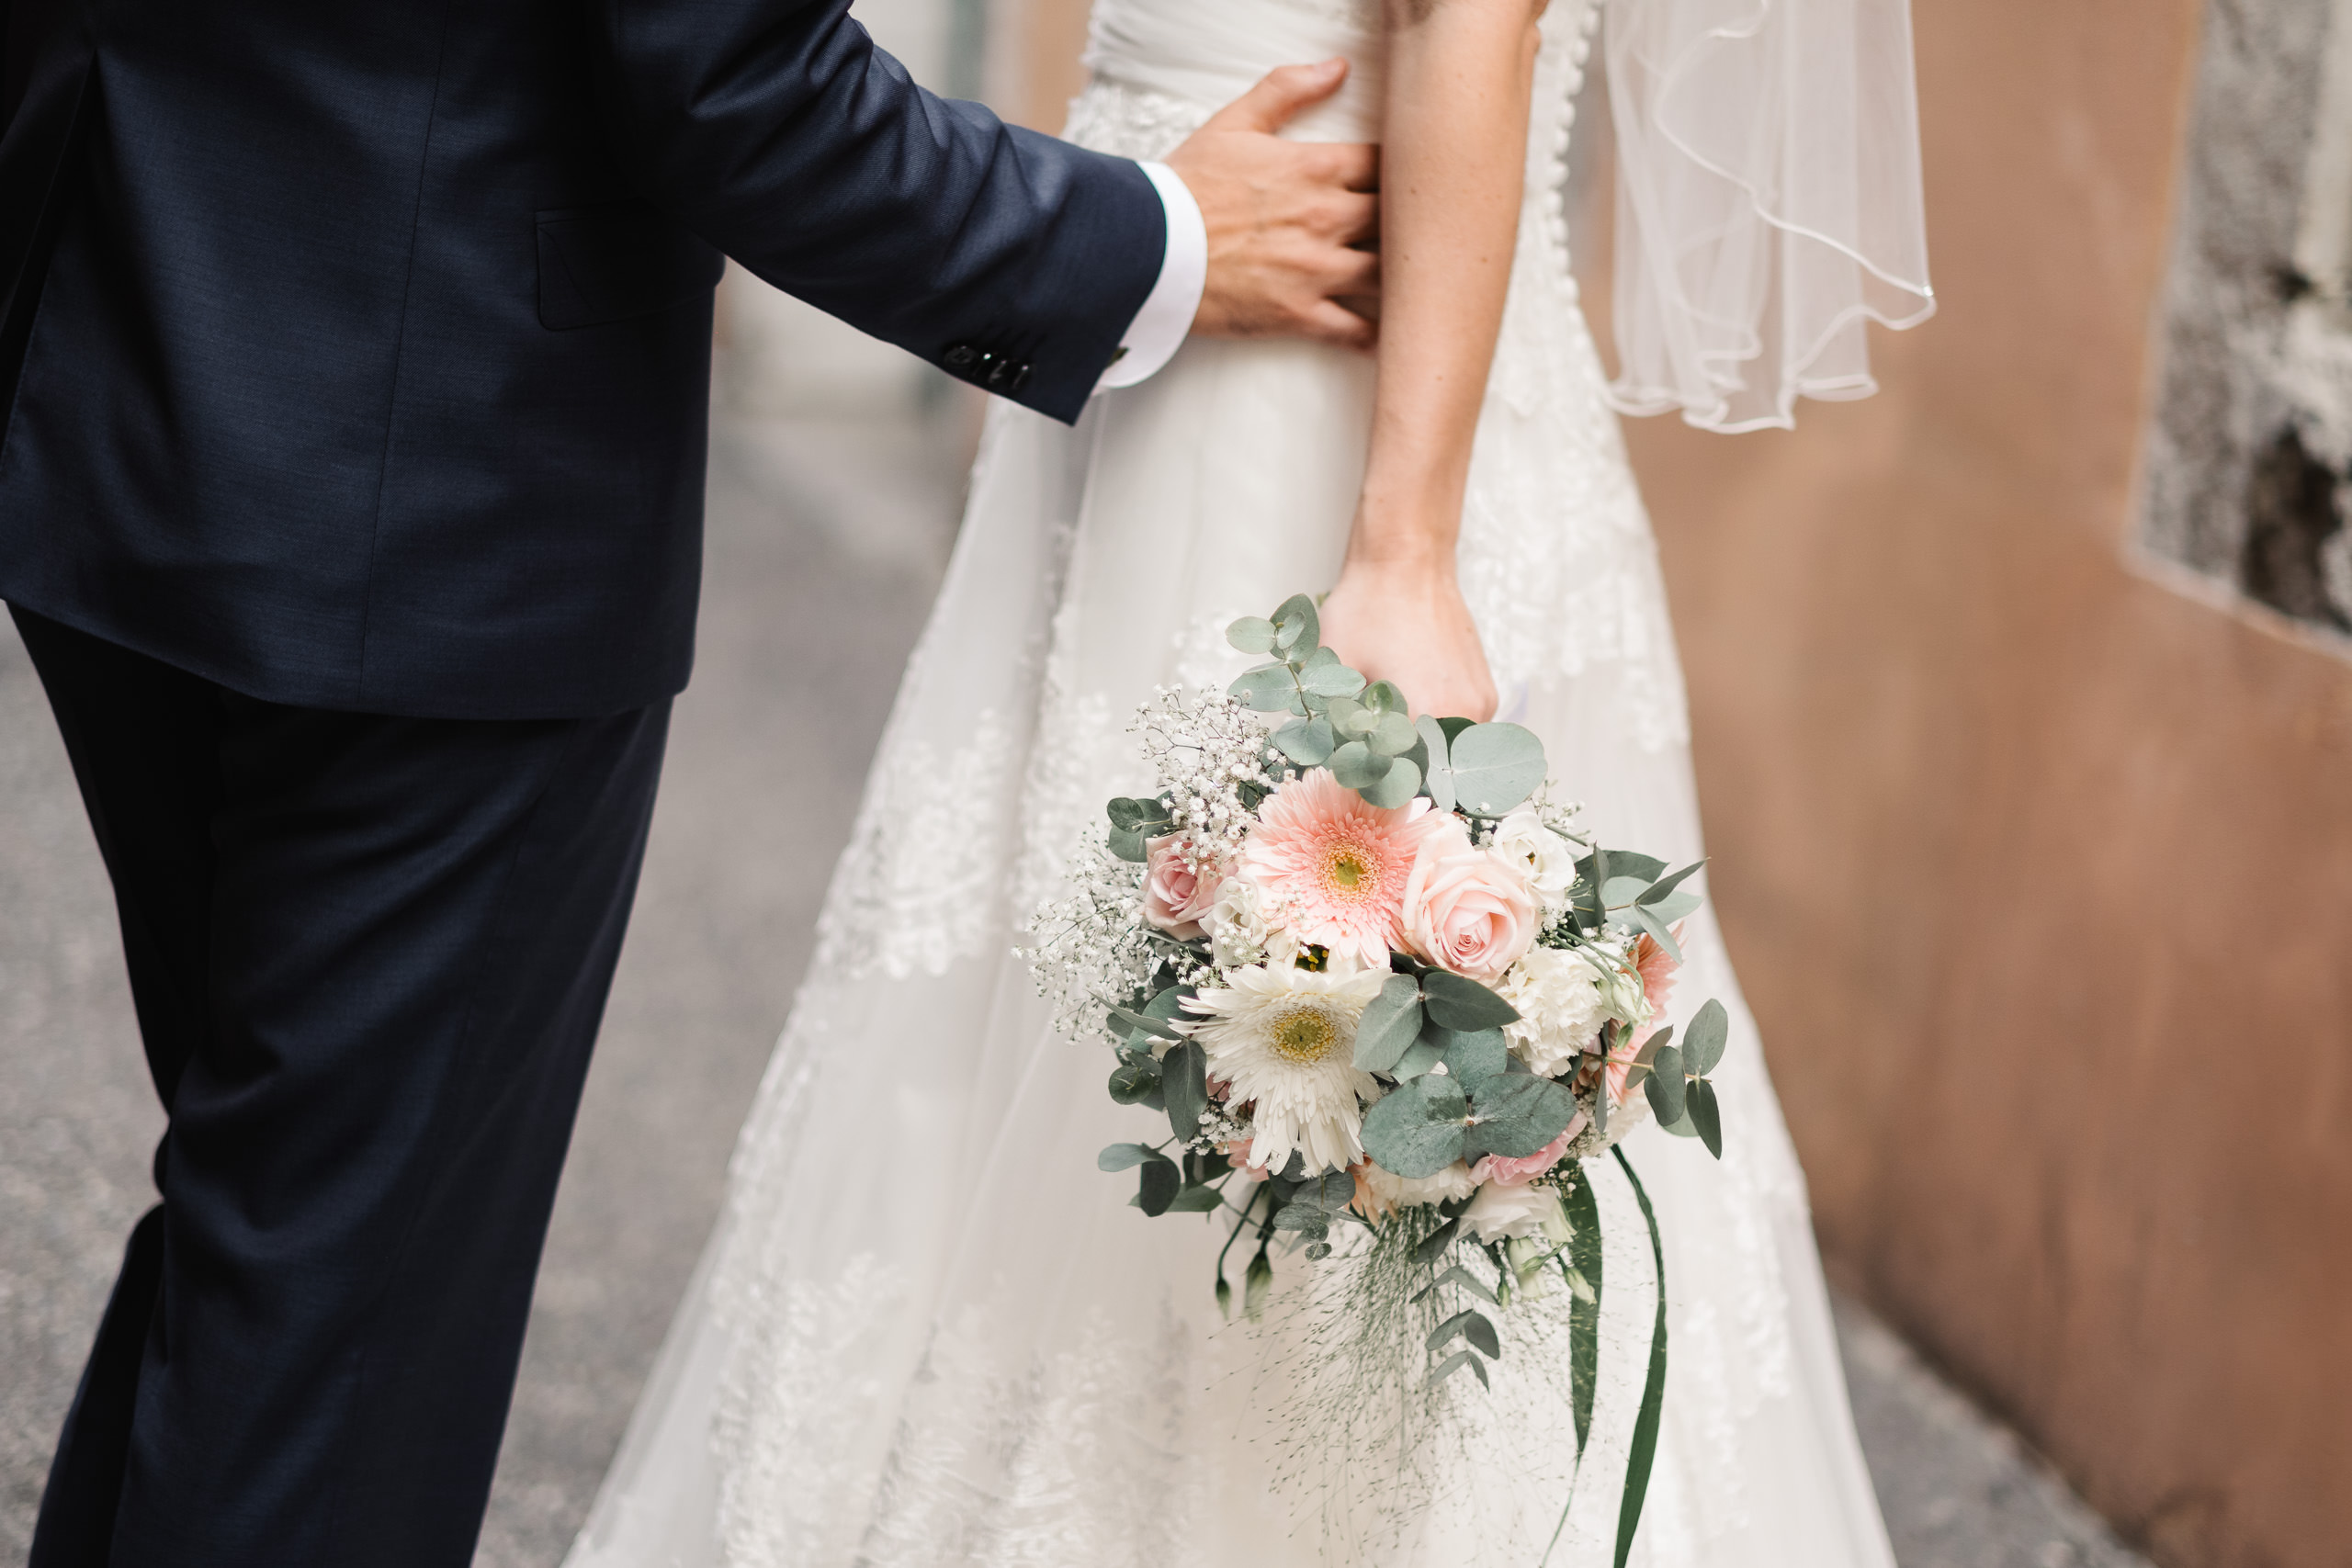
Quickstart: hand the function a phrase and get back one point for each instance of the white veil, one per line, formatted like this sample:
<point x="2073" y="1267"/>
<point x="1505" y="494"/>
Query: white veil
<point x="1768" y="201"/>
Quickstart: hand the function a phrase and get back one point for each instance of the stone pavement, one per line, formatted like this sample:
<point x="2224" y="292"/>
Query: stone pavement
<point x="826" y="542"/>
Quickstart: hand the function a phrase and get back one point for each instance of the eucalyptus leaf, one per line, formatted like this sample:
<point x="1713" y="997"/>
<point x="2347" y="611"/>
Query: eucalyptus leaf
<point x="1624" y="890"/>
<point x="1496" y="766"/>
<point x="1400" y="783"/>
<point x="1453" y="1364"/>
<point x="1183" y="1082"/>
<point x="1127" y="844"/>
<point x="1303" y="1218"/>
<point x="1158" y="1185"/>
<point x="1432" y="1246"/>
<point x="1124" y="1156"/>
<point x="1297" y="625"/>
<point x="1453" y="1325"/>
<point x="1197" y="1201"/>
<point x="1436" y="770"/>
<point x="1702" y="1041"/>
<point x="1540" y="1106"/>
<point x="1332" y="680"/>
<point x="1456" y="1001"/>
<point x="1386" y="697"/>
<point x="1657" y="931"/>
<point x="1667" y="885"/>
<point x="1458" y="1275"/>
<point x="1475" y="1056"/>
<point x="1131" y="813"/>
<point x="1480" y="1332"/>
<point x="1134" y="1079"/>
<point x="1343" y="712"/>
<point x="1676" y="905"/>
<point x="1686" y="1128"/>
<point x="1665" y="1083"/>
<point x="1391" y="1023"/>
<point x="1317" y="1250"/>
<point x="1393" y="735"/>
<point x="1453" y="727"/>
<point x="1251" y="634"/>
<point x="1706" y="1116"/>
<point x="1270" y="688"/>
<point x="1357" y="765"/>
<point x="1416" y="1129"/>
<point x="1306" y="742"/>
<point x="1142" y="1023"/>
<point x="1330" y="1190"/>
<point x="1420" y="1056"/>
<point x="1621" y="862"/>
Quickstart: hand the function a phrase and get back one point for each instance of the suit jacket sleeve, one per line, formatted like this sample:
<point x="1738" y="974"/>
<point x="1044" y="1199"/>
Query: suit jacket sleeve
<point x="778" y="132"/>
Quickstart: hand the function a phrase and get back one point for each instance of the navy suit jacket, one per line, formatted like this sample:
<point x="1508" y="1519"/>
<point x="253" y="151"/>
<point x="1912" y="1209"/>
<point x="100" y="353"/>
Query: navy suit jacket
<point x="353" y="354"/>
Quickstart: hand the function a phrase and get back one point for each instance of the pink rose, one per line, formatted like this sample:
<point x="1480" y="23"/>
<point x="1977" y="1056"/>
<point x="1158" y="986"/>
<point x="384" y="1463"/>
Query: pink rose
<point x="1465" y="909"/>
<point x="1504" y="1172"/>
<point x="1175" y="894"/>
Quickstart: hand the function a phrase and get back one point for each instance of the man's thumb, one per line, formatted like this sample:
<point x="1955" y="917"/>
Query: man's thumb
<point x="1281" y="94"/>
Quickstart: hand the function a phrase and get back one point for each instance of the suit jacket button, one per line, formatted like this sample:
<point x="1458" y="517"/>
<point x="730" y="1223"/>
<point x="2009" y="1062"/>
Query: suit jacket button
<point x="1019" y="378"/>
<point x="961" y="356"/>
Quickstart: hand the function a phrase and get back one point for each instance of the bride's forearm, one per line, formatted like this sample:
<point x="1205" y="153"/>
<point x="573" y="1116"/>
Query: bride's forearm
<point x="1454" y="157"/>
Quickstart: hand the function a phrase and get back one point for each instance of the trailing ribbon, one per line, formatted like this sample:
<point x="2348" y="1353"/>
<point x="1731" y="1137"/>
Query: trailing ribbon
<point x="1637" y="1464"/>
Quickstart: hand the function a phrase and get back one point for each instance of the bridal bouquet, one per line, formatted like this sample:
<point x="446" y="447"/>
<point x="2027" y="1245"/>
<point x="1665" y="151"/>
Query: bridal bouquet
<point x="1376" y="978"/>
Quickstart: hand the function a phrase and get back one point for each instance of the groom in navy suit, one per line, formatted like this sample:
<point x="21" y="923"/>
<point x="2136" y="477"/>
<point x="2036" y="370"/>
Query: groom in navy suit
<point x="353" y="391"/>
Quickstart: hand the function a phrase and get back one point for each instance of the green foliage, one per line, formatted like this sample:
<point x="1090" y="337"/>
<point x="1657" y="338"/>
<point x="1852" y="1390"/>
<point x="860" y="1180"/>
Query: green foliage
<point x="1702" y="1042"/>
<point x="1519" y="1114"/>
<point x="1665" y="1083"/>
<point x="1645" y="1423"/>
<point x="1475" y="1056"/>
<point x="1184" y="1084"/>
<point x="1124" y="1156"/>
<point x="1581" y="1264"/>
<point x="1495" y="767"/>
<point x="1135" y="1080"/>
<point x="1416" y="1130"/>
<point x="1159" y="1185"/>
<point x="1706" y="1116"/>
<point x="1456" y="1001"/>
<point x="1197" y="1201"/>
<point x="1391" y="1023"/>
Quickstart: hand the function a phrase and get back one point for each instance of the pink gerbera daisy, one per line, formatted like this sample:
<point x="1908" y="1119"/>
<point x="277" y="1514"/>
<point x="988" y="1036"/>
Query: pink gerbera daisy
<point x="1334" y="868"/>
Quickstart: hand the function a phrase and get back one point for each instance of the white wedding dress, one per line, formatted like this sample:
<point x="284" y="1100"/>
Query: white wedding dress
<point x="928" y="1332"/>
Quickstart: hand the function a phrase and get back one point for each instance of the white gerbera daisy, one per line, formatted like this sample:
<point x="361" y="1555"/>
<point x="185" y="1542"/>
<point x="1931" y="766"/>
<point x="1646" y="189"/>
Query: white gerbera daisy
<point x="1284" y="1038"/>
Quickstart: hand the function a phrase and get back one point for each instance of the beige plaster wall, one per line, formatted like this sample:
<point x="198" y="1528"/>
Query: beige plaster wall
<point x="2039" y="875"/>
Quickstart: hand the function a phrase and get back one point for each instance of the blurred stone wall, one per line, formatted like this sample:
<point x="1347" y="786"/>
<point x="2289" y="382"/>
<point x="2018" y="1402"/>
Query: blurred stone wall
<point x="2252" y="440"/>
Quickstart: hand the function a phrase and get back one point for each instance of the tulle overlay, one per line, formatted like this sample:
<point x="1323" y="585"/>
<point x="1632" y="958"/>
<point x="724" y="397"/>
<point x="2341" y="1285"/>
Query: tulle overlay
<point x="927" y="1331"/>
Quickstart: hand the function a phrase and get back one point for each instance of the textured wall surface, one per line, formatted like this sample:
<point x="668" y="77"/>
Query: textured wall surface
<point x="2038" y="873"/>
<point x="2251" y="442"/>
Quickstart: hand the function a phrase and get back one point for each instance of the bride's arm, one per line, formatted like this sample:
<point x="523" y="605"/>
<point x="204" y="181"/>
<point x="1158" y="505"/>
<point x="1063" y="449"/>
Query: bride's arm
<point x="1454" y="157"/>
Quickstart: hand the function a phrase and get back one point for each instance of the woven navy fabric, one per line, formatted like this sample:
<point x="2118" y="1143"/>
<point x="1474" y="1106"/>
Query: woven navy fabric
<point x="355" y="356"/>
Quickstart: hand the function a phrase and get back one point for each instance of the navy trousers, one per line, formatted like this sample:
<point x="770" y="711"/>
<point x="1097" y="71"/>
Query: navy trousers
<point x="370" y="956"/>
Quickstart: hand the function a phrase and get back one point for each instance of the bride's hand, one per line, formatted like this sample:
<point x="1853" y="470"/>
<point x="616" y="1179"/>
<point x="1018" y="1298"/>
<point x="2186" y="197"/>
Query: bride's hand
<point x="1406" y="623"/>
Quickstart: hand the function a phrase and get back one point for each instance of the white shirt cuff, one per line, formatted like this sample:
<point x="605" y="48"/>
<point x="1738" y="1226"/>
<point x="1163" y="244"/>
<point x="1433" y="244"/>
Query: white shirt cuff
<point x="1168" y="311"/>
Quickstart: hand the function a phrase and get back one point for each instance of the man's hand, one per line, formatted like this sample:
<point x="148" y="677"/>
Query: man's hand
<point x="1286" y="219"/>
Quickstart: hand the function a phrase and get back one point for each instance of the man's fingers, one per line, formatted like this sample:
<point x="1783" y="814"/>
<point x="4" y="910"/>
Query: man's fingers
<point x="1355" y="219"/>
<point x="1357" y="273"/>
<point x="1351" y="165"/>
<point x="1329" y="322"/>
<point x="1281" y="93"/>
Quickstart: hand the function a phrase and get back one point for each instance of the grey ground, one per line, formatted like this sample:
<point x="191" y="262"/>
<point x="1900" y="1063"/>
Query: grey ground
<point x="826" y="542"/>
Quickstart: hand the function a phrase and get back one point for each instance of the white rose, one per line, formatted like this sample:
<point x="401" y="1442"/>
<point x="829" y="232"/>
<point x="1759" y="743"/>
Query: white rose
<point x="1498" y="1213"/>
<point x="1549" y="860"/>
<point x="1385" y="1190"/>
<point x="1239" y="933"/>
<point x="1561" y="1007"/>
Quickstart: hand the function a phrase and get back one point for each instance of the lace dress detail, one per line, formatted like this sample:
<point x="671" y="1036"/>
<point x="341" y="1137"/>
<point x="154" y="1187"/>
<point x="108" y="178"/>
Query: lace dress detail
<point x="928" y="1331"/>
